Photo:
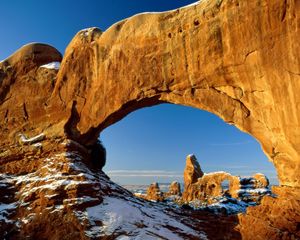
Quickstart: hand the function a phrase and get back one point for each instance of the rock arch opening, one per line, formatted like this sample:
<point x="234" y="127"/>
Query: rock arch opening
<point x="150" y="145"/>
<point x="245" y="73"/>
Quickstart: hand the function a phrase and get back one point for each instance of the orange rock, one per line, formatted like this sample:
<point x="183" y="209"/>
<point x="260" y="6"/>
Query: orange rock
<point x="209" y="186"/>
<point x="192" y="170"/>
<point x="275" y="218"/>
<point x="236" y="59"/>
<point x="174" y="189"/>
<point x="154" y="193"/>
<point x="261" y="180"/>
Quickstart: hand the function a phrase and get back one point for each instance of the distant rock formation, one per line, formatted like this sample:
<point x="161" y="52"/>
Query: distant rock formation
<point x="206" y="187"/>
<point x="154" y="193"/>
<point x="210" y="186"/>
<point x="192" y="171"/>
<point x="174" y="189"/>
<point x="236" y="59"/>
<point x="260" y="180"/>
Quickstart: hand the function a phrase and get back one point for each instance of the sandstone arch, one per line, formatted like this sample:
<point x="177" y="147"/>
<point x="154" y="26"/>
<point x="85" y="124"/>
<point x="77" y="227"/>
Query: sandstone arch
<point x="202" y="55"/>
<point x="234" y="59"/>
<point x="237" y="59"/>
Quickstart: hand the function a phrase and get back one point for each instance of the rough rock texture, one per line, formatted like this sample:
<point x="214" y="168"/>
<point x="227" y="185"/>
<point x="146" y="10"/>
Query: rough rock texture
<point x="154" y="193"/>
<point x="25" y="89"/>
<point x="211" y="186"/>
<point x="174" y="189"/>
<point x="275" y="218"/>
<point x="261" y="180"/>
<point x="192" y="171"/>
<point x="206" y="187"/>
<point x="237" y="59"/>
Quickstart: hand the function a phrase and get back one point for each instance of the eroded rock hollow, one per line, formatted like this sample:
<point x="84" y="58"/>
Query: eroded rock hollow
<point x="237" y="59"/>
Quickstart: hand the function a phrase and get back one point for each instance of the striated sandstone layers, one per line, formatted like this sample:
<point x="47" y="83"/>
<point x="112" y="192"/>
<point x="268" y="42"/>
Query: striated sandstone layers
<point x="237" y="59"/>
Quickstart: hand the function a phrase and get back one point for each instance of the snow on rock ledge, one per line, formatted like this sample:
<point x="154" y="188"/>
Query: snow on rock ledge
<point x="52" y="65"/>
<point x="35" y="139"/>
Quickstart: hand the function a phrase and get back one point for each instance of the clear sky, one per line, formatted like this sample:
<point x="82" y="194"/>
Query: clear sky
<point x="152" y="143"/>
<point x="57" y="21"/>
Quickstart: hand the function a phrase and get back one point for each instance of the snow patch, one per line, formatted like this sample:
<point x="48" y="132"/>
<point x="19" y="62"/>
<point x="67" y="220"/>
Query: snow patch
<point x="38" y="145"/>
<point x="229" y="208"/>
<point x="254" y="191"/>
<point x="35" y="139"/>
<point x="138" y="220"/>
<point x="52" y="65"/>
<point x="80" y="200"/>
<point x="4" y="211"/>
<point x="214" y="173"/>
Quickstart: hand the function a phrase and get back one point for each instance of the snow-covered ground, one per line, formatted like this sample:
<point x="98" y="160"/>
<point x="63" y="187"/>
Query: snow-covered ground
<point x="129" y="217"/>
<point x="110" y="209"/>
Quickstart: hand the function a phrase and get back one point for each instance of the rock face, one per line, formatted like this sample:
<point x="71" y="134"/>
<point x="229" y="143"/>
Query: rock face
<point x="25" y="89"/>
<point x="211" y="186"/>
<point x="154" y="193"/>
<point x="237" y="59"/>
<point x="192" y="171"/>
<point x="274" y="214"/>
<point x="174" y="189"/>
<point x="206" y="187"/>
<point x="261" y="180"/>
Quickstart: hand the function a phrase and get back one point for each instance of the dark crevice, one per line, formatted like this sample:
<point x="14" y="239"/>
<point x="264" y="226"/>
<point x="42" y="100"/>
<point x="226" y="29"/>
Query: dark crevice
<point x="5" y="100"/>
<point x="284" y="10"/>
<point x="193" y="91"/>
<point x="196" y="22"/>
<point x="71" y="125"/>
<point x="6" y="115"/>
<point x="25" y="112"/>
<point x="291" y="72"/>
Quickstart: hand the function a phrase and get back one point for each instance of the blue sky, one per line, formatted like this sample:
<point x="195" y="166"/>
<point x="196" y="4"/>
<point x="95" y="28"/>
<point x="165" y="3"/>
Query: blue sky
<point x="57" y="21"/>
<point x="152" y="143"/>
